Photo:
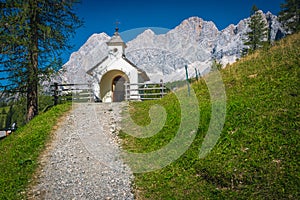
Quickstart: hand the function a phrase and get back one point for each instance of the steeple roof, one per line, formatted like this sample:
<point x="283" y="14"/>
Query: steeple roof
<point x="116" y="39"/>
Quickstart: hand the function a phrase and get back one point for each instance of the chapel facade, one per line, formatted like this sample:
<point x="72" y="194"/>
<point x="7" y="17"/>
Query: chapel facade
<point x="111" y="74"/>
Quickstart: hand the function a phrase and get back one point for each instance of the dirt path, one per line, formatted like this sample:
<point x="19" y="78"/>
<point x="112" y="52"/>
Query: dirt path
<point x="83" y="160"/>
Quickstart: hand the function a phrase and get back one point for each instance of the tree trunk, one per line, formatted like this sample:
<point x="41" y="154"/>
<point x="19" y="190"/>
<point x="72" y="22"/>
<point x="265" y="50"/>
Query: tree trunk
<point x="32" y="94"/>
<point x="32" y="87"/>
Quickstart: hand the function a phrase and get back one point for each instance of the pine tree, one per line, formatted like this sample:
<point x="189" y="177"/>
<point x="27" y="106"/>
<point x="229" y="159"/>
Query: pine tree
<point x="9" y="116"/>
<point x="1" y="122"/>
<point x="289" y="16"/>
<point x="33" y="34"/>
<point x="258" y="34"/>
<point x="3" y="112"/>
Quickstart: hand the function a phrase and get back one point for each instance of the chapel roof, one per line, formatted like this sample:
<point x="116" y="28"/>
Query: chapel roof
<point x="140" y="71"/>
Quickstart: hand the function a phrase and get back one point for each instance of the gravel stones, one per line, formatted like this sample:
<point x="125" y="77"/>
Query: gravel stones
<point x="83" y="160"/>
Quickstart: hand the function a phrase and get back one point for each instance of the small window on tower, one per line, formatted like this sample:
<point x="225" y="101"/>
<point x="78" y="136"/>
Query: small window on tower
<point x="115" y="50"/>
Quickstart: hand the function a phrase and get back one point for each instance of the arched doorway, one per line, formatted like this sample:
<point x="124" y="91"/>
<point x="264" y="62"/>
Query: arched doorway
<point x="112" y="87"/>
<point x="118" y="89"/>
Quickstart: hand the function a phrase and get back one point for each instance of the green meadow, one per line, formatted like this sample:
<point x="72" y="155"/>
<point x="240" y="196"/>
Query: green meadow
<point x="257" y="155"/>
<point x="20" y="152"/>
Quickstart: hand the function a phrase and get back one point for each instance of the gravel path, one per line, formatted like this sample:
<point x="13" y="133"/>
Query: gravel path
<point x="83" y="160"/>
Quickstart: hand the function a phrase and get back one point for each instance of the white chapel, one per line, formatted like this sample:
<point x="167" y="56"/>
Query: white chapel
<point x="111" y="73"/>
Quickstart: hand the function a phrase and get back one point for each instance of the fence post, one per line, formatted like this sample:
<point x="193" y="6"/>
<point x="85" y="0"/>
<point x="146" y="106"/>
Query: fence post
<point x="161" y="88"/>
<point x="187" y="79"/>
<point x="55" y="93"/>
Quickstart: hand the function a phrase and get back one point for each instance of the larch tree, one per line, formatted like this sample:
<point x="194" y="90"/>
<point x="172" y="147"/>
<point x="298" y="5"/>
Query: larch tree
<point x="258" y="33"/>
<point x="289" y="16"/>
<point x="33" y="35"/>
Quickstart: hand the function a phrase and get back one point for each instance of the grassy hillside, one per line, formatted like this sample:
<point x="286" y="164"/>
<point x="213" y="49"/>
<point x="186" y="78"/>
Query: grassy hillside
<point x="258" y="153"/>
<point x="16" y="111"/>
<point x="19" y="152"/>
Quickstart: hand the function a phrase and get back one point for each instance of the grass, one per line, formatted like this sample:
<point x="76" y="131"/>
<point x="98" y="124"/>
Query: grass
<point x="257" y="155"/>
<point x="20" y="151"/>
<point x="16" y="111"/>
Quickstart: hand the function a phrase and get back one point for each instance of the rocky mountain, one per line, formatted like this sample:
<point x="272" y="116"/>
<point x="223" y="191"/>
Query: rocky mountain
<point x="89" y="54"/>
<point x="194" y="42"/>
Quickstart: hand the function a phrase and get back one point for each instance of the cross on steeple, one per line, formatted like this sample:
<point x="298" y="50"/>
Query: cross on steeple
<point x="117" y="28"/>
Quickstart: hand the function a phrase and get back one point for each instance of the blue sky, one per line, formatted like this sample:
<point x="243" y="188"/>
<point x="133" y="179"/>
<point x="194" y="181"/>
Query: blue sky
<point x="101" y="15"/>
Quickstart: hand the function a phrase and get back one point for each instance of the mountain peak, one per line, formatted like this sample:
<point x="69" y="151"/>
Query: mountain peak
<point x="98" y="36"/>
<point x="148" y="31"/>
<point x="196" y="25"/>
<point x="194" y="41"/>
<point x="191" y="21"/>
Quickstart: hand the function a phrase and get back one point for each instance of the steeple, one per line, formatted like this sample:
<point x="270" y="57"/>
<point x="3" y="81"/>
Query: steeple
<point x="116" y="39"/>
<point x="117" y="28"/>
<point x="116" y="44"/>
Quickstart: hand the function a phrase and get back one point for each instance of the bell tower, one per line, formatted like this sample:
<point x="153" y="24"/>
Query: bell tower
<point x="116" y="45"/>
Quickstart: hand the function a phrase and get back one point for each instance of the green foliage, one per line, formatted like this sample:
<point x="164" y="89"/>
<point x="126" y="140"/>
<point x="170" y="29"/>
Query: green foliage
<point x="257" y="155"/>
<point x="3" y="118"/>
<point x="290" y="15"/>
<point x="33" y="36"/>
<point x="258" y="34"/>
<point x="20" y="152"/>
<point x="52" y="26"/>
<point x="16" y="112"/>
<point x="216" y="66"/>
<point x="44" y="102"/>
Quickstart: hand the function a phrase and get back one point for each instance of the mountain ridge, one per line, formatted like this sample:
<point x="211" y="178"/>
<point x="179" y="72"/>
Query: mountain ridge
<point x="194" y="42"/>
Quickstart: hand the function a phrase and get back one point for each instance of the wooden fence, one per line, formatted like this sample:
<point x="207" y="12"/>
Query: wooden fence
<point x="84" y="93"/>
<point x="72" y="92"/>
<point x="144" y="91"/>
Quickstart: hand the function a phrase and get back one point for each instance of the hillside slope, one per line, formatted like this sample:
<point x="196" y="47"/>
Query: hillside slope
<point x="257" y="155"/>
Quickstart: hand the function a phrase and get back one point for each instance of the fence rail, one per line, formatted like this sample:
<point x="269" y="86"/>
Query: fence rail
<point x="144" y="91"/>
<point x="72" y="92"/>
<point x="83" y="92"/>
